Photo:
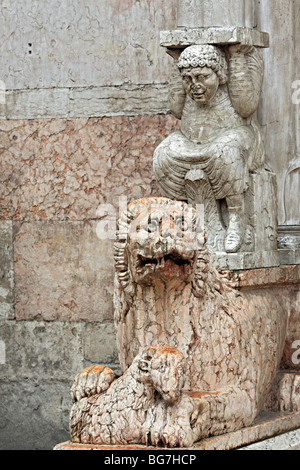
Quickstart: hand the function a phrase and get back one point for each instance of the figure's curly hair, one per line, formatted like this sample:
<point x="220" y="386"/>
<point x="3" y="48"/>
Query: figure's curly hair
<point x="205" y="56"/>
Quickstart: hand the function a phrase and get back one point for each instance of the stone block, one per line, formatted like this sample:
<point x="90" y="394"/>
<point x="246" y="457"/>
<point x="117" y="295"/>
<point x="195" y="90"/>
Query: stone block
<point x="289" y="244"/>
<point x="88" y="43"/>
<point x="284" y="395"/>
<point x="6" y="271"/>
<point x="80" y="102"/>
<point x="41" y="351"/>
<point x="282" y="284"/>
<point x="100" y="344"/>
<point x="199" y="13"/>
<point x="247" y="260"/>
<point x="33" y="414"/>
<point x="125" y="100"/>
<point x="63" y="272"/>
<point x="37" y="104"/>
<point x="289" y="257"/>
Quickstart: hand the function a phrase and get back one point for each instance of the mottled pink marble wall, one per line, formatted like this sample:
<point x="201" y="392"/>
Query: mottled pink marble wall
<point x="54" y="174"/>
<point x="63" y="169"/>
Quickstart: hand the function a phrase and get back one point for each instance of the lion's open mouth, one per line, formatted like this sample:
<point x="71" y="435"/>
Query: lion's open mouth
<point x="161" y="262"/>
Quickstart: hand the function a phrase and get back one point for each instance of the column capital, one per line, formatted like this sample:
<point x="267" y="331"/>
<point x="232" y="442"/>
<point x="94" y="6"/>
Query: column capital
<point x="182" y="38"/>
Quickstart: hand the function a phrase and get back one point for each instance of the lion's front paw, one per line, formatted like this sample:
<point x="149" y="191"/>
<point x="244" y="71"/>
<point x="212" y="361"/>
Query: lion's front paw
<point x="170" y="437"/>
<point x="177" y="436"/>
<point x="91" y="381"/>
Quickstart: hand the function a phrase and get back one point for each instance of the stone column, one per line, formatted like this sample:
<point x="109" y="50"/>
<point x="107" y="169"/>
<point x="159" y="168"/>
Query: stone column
<point x="206" y="13"/>
<point x="280" y="116"/>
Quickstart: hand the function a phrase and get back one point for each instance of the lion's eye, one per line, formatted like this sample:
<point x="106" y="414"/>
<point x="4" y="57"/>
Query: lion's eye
<point x="162" y="368"/>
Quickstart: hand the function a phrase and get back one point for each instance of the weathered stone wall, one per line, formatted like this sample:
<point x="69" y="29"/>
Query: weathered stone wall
<point x="86" y="104"/>
<point x="84" y="58"/>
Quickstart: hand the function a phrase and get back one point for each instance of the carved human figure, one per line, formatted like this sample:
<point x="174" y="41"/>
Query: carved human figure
<point x="216" y="96"/>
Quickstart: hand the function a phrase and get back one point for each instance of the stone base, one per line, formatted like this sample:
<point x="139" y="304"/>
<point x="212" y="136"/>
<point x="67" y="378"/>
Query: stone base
<point x="266" y="426"/>
<point x="287" y="441"/>
<point x="283" y="284"/>
<point x="246" y="260"/>
<point x="289" y="244"/>
<point x="259" y="246"/>
<point x="284" y="395"/>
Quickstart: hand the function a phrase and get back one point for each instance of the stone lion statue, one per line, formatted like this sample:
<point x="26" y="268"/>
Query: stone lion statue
<point x="166" y="290"/>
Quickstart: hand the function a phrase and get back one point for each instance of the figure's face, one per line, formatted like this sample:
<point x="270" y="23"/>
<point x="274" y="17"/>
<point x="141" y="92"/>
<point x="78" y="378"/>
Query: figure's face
<point x="200" y="83"/>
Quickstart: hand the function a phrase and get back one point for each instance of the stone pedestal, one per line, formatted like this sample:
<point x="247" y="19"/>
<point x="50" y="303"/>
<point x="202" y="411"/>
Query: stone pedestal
<point x="282" y="283"/>
<point x="260" y="240"/>
<point x="289" y="244"/>
<point x="281" y="411"/>
<point x="266" y="426"/>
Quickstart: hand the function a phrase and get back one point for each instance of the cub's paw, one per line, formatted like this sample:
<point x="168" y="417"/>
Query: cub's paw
<point x="91" y="381"/>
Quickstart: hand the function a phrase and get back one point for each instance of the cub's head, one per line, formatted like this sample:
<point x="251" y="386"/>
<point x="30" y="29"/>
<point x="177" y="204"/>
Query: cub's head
<point x="164" y="368"/>
<point x="157" y="238"/>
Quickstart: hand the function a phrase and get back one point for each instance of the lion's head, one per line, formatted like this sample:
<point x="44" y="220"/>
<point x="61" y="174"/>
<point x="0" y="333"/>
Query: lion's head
<point x="158" y="238"/>
<point x="164" y="368"/>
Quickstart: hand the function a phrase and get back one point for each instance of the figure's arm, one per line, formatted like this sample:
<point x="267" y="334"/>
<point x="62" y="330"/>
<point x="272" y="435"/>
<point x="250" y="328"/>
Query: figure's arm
<point x="177" y="95"/>
<point x="246" y="70"/>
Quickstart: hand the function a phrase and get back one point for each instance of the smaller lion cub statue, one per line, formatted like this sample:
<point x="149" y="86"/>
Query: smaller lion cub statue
<point x="108" y="410"/>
